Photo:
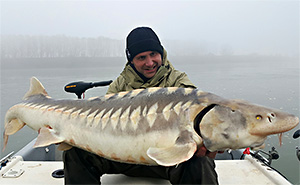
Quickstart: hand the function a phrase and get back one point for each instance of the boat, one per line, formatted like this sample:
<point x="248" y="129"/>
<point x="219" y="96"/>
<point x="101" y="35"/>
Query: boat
<point x="36" y="166"/>
<point x="44" y="165"/>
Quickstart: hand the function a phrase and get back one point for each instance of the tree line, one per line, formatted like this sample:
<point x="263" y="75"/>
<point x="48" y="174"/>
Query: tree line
<point x="26" y="46"/>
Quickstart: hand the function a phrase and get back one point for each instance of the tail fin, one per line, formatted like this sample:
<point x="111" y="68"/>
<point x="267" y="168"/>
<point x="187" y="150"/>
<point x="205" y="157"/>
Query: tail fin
<point x="36" y="87"/>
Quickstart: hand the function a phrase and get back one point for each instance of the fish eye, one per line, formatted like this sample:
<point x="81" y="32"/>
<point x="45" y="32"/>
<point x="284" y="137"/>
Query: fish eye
<point x="259" y="117"/>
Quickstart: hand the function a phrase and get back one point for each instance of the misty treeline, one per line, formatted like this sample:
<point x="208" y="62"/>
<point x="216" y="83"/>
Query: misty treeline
<point x="26" y="46"/>
<point x="19" y="46"/>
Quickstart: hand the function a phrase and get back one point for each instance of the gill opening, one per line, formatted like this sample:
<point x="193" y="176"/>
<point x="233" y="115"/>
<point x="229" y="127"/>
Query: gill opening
<point x="199" y="117"/>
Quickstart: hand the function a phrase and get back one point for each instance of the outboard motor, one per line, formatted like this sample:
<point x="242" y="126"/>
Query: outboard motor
<point x="80" y="87"/>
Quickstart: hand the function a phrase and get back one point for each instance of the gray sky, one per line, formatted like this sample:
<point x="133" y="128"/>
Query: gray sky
<point x="263" y="27"/>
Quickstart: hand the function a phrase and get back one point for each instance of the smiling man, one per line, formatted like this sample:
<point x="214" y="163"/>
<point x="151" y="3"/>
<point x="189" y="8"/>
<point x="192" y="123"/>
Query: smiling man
<point x="147" y="63"/>
<point x="147" y="66"/>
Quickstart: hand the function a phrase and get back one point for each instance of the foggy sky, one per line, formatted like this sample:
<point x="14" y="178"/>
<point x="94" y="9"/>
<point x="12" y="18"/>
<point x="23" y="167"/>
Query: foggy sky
<point x="262" y="27"/>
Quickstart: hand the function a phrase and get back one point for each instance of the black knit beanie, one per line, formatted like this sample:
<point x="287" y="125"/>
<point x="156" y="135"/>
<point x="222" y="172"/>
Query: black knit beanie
<point x="142" y="39"/>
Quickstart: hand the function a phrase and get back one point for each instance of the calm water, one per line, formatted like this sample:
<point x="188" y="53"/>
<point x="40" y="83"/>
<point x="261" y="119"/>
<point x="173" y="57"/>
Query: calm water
<point x="269" y="81"/>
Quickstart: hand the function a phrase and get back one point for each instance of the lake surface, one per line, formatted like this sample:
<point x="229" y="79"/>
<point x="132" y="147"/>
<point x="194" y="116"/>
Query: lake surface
<point x="269" y="81"/>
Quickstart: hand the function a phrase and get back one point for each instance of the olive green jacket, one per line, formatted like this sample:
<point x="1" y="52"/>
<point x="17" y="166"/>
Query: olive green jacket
<point x="166" y="76"/>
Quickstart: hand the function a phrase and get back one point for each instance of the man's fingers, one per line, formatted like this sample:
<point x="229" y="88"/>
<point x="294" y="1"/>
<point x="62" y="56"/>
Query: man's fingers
<point x="201" y="152"/>
<point x="211" y="154"/>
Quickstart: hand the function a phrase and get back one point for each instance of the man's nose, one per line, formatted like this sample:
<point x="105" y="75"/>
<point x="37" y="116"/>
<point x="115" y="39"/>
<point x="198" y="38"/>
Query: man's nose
<point x="149" y="61"/>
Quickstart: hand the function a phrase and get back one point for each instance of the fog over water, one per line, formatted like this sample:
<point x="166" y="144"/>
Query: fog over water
<point x="240" y="26"/>
<point x="239" y="49"/>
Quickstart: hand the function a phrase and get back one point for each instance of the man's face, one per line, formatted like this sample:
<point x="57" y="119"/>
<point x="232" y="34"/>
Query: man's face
<point x="147" y="63"/>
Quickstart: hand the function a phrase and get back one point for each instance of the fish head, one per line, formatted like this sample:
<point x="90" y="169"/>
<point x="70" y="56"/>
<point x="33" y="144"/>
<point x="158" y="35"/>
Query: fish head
<point x="238" y="124"/>
<point x="265" y="121"/>
<point x="12" y="125"/>
<point x="13" y="117"/>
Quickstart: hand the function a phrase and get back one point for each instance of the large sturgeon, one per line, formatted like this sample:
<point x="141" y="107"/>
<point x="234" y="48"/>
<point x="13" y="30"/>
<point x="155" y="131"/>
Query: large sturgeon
<point x="154" y="126"/>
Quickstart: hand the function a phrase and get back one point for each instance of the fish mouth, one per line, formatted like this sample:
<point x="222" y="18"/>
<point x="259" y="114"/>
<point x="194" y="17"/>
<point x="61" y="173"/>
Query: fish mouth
<point x="199" y="117"/>
<point x="262" y="144"/>
<point x="258" y="146"/>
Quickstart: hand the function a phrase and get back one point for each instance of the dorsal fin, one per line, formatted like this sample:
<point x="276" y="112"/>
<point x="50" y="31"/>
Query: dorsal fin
<point x="35" y="88"/>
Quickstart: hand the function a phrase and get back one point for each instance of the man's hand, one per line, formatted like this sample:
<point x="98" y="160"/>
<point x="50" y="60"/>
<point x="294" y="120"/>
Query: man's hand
<point x="202" y="151"/>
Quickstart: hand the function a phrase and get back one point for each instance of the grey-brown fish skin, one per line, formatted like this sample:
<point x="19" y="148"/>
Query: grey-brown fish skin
<point x="157" y="122"/>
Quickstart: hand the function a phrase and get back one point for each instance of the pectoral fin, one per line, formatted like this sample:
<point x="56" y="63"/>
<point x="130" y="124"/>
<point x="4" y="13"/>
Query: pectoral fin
<point x="174" y="155"/>
<point x="47" y="137"/>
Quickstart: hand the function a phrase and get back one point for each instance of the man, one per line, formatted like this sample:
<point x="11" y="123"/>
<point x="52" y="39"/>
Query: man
<point x="147" y="66"/>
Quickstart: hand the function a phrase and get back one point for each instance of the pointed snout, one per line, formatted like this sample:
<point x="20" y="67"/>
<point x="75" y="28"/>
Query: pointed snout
<point x="263" y="121"/>
<point x="272" y="123"/>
